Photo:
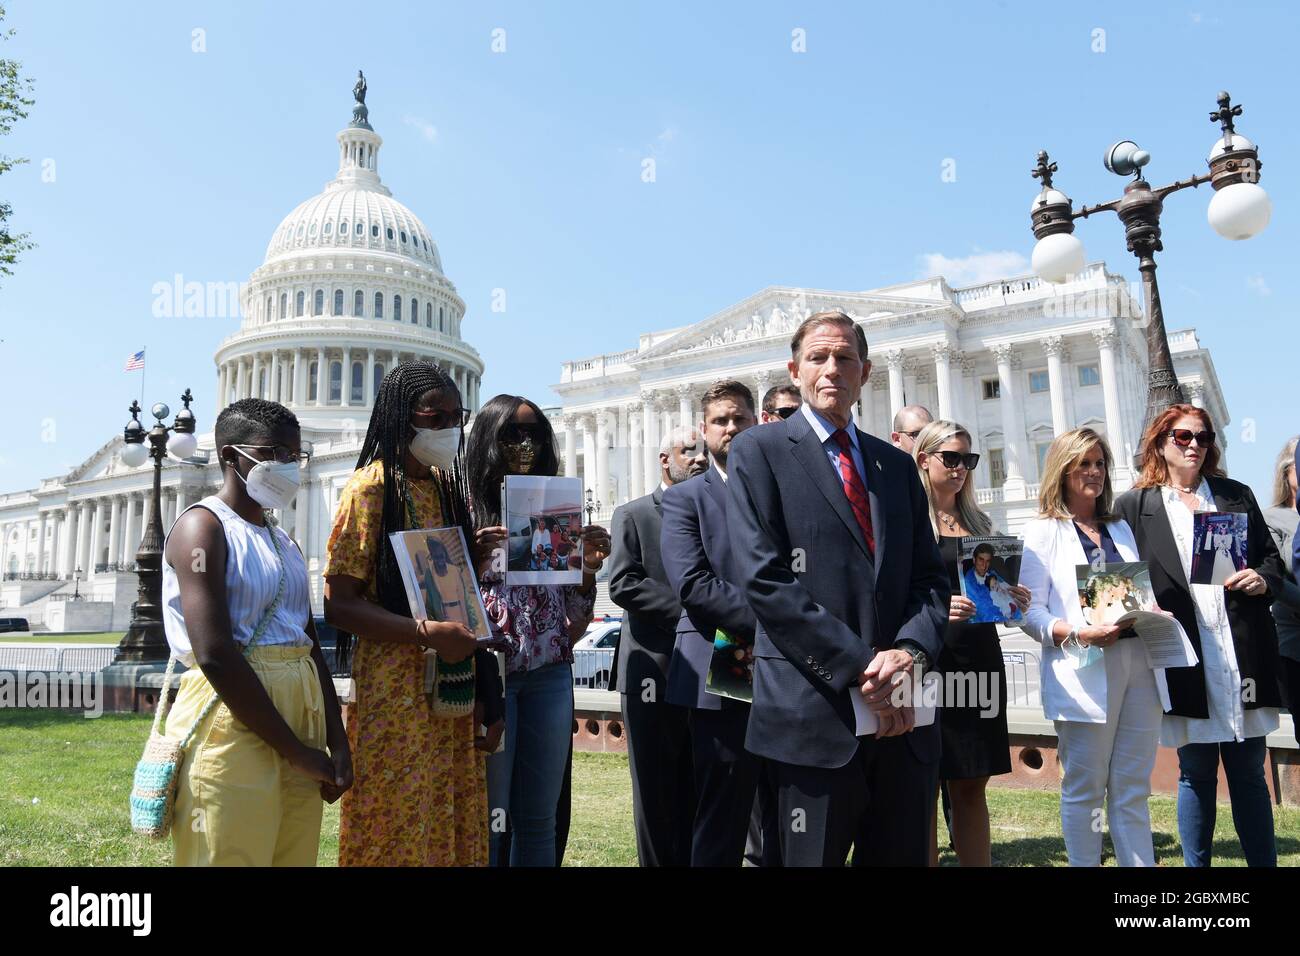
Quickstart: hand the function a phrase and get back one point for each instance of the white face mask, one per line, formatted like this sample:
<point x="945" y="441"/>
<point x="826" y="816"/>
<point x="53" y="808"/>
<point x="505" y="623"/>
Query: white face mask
<point x="272" y="484"/>
<point x="435" y="449"/>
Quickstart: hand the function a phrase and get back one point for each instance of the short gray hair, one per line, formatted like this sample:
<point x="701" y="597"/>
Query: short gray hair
<point x="681" y="435"/>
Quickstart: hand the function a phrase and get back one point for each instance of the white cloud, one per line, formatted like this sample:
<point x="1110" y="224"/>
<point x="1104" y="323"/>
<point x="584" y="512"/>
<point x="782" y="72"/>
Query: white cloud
<point x="1258" y="284"/>
<point x="423" y="126"/>
<point x="974" y="269"/>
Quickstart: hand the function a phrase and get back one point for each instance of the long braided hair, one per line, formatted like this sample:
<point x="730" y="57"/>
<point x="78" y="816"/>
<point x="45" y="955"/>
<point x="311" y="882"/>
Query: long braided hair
<point x="387" y="438"/>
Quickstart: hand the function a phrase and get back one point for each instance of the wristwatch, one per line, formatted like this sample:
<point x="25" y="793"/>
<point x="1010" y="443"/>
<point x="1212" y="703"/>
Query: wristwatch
<point x="920" y="660"/>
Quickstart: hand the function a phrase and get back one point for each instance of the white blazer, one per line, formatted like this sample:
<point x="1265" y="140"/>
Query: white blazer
<point x="1052" y="555"/>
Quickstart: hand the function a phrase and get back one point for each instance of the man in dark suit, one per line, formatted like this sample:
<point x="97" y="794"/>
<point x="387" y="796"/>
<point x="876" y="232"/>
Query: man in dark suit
<point x="658" y="738"/>
<point x="831" y="531"/>
<point x="698" y="559"/>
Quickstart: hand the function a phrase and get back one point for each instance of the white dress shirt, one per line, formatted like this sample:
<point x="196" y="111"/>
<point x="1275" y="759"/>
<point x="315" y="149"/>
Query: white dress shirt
<point x="1229" y="719"/>
<point x="824" y="429"/>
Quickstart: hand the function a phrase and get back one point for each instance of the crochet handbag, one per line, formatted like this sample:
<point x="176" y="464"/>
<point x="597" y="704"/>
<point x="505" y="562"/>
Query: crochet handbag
<point x="153" y="791"/>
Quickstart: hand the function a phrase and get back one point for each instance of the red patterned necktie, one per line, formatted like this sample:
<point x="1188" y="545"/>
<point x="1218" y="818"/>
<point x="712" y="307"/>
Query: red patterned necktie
<point x="855" y="489"/>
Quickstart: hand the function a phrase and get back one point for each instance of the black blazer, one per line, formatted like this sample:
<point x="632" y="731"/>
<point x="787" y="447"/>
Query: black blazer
<point x="697" y="556"/>
<point x="1254" y="635"/>
<point x="638" y="584"/>
<point x="824" y="606"/>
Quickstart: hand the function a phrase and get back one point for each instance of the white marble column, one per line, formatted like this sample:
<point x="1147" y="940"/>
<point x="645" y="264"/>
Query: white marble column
<point x="114" y="528"/>
<point x="345" y="392"/>
<point x="1055" y="347"/>
<point x="685" y="403"/>
<point x="635" y="451"/>
<point x="602" y="458"/>
<point x="664" y="402"/>
<point x="96" y="536"/>
<point x="302" y="514"/>
<point x="130" y="534"/>
<point x="942" y="352"/>
<point x="570" y="446"/>
<point x="867" y="407"/>
<point x="299" y="379"/>
<point x="649" y="442"/>
<point x="43" y="541"/>
<point x="1013" y="431"/>
<point x="68" y="546"/>
<point x="896" y="360"/>
<point x="273" y="382"/>
<point x="223" y="384"/>
<point x="255" y="389"/>
<point x="368" y="386"/>
<point x="322" y="378"/>
<point x="1110" y="395"/>
<point x="83" y="538"/>
<point x="588" y="424"/>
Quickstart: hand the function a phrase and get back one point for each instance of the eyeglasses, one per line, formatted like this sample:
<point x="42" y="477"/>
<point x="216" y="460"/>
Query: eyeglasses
<point x="785" y="411"/>
<point x="514" y="433"/>
<point x="282" y="453"/>
<point x="912" y="435"/>
<point x="455" y="418"/>
<point x="1182" y="437"/>
<point x="953" y="459"/>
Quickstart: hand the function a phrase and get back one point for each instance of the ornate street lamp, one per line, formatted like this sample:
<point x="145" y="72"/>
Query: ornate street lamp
<point x="591" y="507"/>
<point x="144" y="641"/>
<point x="1239" y="209"/>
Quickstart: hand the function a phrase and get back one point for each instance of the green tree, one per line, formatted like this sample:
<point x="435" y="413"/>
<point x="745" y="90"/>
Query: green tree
<point x="15" y="90"/>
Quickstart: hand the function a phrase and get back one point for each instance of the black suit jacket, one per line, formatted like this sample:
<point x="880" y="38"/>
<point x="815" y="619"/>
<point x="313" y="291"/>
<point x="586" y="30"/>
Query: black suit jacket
<point x="824" y="606"/>
<point x="1254" y="635"/>
<point x="638" y="584"/>
<point x="697" y="556"/>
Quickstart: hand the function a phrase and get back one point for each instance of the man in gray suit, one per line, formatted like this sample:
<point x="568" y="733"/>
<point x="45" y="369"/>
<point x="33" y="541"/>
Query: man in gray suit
<point x="658" y="735"/>
<point x="830" y="528"/>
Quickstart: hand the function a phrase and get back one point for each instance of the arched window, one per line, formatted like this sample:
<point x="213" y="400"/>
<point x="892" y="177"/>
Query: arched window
<point x="313" y="382"/>
<point x="374" y="232"/>
<point x="358" y="378"/>
<point x="270" y="304"/>
<point x="441" y="327"/>
<point x="329" y="228"/>
<point x="343" y="229"/>
<point x="379" y="377"/>
<point x="388" y="233"/>
<point x="284" y="305"/>
<point x="338" y="301"/>
<point x="358" y="303"/>
<point x="403" y="236"/>
<point x="361" y="229"/>
<point x="336" y="382"/>
<point x="301" y="303"/>
<point x="415" y="311"/>
<point x="318" y="302"/>
<point x="311" y="231"/>
<point x="428" y="315"/>
<point x="379" y="305"/>
<point x="397" y="308"/>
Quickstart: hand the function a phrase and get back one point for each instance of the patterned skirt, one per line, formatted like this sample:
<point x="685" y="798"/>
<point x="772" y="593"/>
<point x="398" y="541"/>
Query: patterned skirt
<point x="420" y="791"/>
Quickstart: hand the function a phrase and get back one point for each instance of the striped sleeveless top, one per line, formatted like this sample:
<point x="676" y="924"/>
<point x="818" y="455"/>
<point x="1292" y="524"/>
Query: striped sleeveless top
<point x="252" y="577"/>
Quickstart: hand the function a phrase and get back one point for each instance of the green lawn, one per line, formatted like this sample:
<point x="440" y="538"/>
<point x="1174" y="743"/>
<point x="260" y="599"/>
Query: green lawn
<point x="65" y="782"/>
<point x="43" y="637"/>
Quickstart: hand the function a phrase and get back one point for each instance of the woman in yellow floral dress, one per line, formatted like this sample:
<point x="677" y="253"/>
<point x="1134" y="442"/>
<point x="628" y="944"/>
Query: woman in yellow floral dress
<point x="420" y="792"/>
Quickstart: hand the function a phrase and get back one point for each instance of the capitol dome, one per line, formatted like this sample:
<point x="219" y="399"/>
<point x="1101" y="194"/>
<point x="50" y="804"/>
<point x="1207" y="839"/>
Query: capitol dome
<point x="352" y="283"/>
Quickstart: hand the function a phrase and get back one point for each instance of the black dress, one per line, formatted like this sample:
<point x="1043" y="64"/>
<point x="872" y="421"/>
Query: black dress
<point x="973" y="745"/>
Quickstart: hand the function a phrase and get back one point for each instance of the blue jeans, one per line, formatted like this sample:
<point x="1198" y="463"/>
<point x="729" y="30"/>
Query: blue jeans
<point x="524" y="780"/>
<point x="1252" y="807"/>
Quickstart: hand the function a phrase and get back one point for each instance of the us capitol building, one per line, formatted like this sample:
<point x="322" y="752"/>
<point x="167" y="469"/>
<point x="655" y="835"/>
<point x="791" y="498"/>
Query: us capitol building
<point x="351" y="284"/>
<point x="1017" y="361"/>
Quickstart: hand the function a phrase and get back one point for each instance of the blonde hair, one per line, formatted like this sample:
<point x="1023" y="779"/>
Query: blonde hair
<point x="927" y="442"/>
<point x="1282" y="497"/>
<point x="1063" y="454"/>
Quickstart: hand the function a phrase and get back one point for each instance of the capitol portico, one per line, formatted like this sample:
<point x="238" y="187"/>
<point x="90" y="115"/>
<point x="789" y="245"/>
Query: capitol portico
<point x="351" y="284"/>
<point x="1017" y="361"/>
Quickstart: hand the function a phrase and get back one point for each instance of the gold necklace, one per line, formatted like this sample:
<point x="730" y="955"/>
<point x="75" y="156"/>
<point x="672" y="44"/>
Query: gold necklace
<point x="949" y="521"/>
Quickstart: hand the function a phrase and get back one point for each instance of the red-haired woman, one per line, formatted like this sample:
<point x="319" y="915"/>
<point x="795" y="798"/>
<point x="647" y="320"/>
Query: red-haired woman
<point x="1224" y="706"/>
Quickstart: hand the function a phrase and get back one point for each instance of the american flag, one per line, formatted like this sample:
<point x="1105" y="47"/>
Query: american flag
<point x="135" y="362"/>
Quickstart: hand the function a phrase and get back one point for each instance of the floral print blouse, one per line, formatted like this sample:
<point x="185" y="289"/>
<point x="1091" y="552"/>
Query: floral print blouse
<point x="535" y="619"/>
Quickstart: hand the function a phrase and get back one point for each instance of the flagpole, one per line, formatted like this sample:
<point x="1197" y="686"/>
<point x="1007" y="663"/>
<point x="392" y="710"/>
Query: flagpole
<point x="144" y="367"/>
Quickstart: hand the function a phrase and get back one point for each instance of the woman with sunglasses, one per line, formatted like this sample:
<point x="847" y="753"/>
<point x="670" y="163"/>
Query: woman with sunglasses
<point x="975" y="743"/>
<point x="1222" y="708"/>
<point x="539" y="624"/>
<point x="1097" y="687"/>
<point x="420" y="796"/>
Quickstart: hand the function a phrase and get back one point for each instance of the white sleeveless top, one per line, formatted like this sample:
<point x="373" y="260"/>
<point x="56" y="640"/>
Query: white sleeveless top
<point x="252" y="578"/>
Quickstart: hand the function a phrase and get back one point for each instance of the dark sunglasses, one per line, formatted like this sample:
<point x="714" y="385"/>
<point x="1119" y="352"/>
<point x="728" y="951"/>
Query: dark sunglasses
<point x="1182" y="437"/>
<point x="455" y="418"/>
<point x="513" y="433"/>
<point x="785" y="411"/>
<point x="951" y="459"/>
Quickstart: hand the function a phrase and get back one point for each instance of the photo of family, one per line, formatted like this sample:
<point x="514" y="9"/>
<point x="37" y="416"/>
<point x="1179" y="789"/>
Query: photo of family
<point x="1110" y="592"/>
<point x="731" y="669"/>
<point x="989" y="567"/>
<point x="440" y="583"/>
<point x="1218" y="546"/>
<point x="544" y="517"/>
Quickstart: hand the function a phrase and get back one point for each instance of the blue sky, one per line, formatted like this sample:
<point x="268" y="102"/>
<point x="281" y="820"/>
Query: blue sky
<point x="818" y="169"/>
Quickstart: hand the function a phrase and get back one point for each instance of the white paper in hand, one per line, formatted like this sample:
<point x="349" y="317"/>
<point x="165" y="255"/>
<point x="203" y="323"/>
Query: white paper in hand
<point x="921" y="693"/>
